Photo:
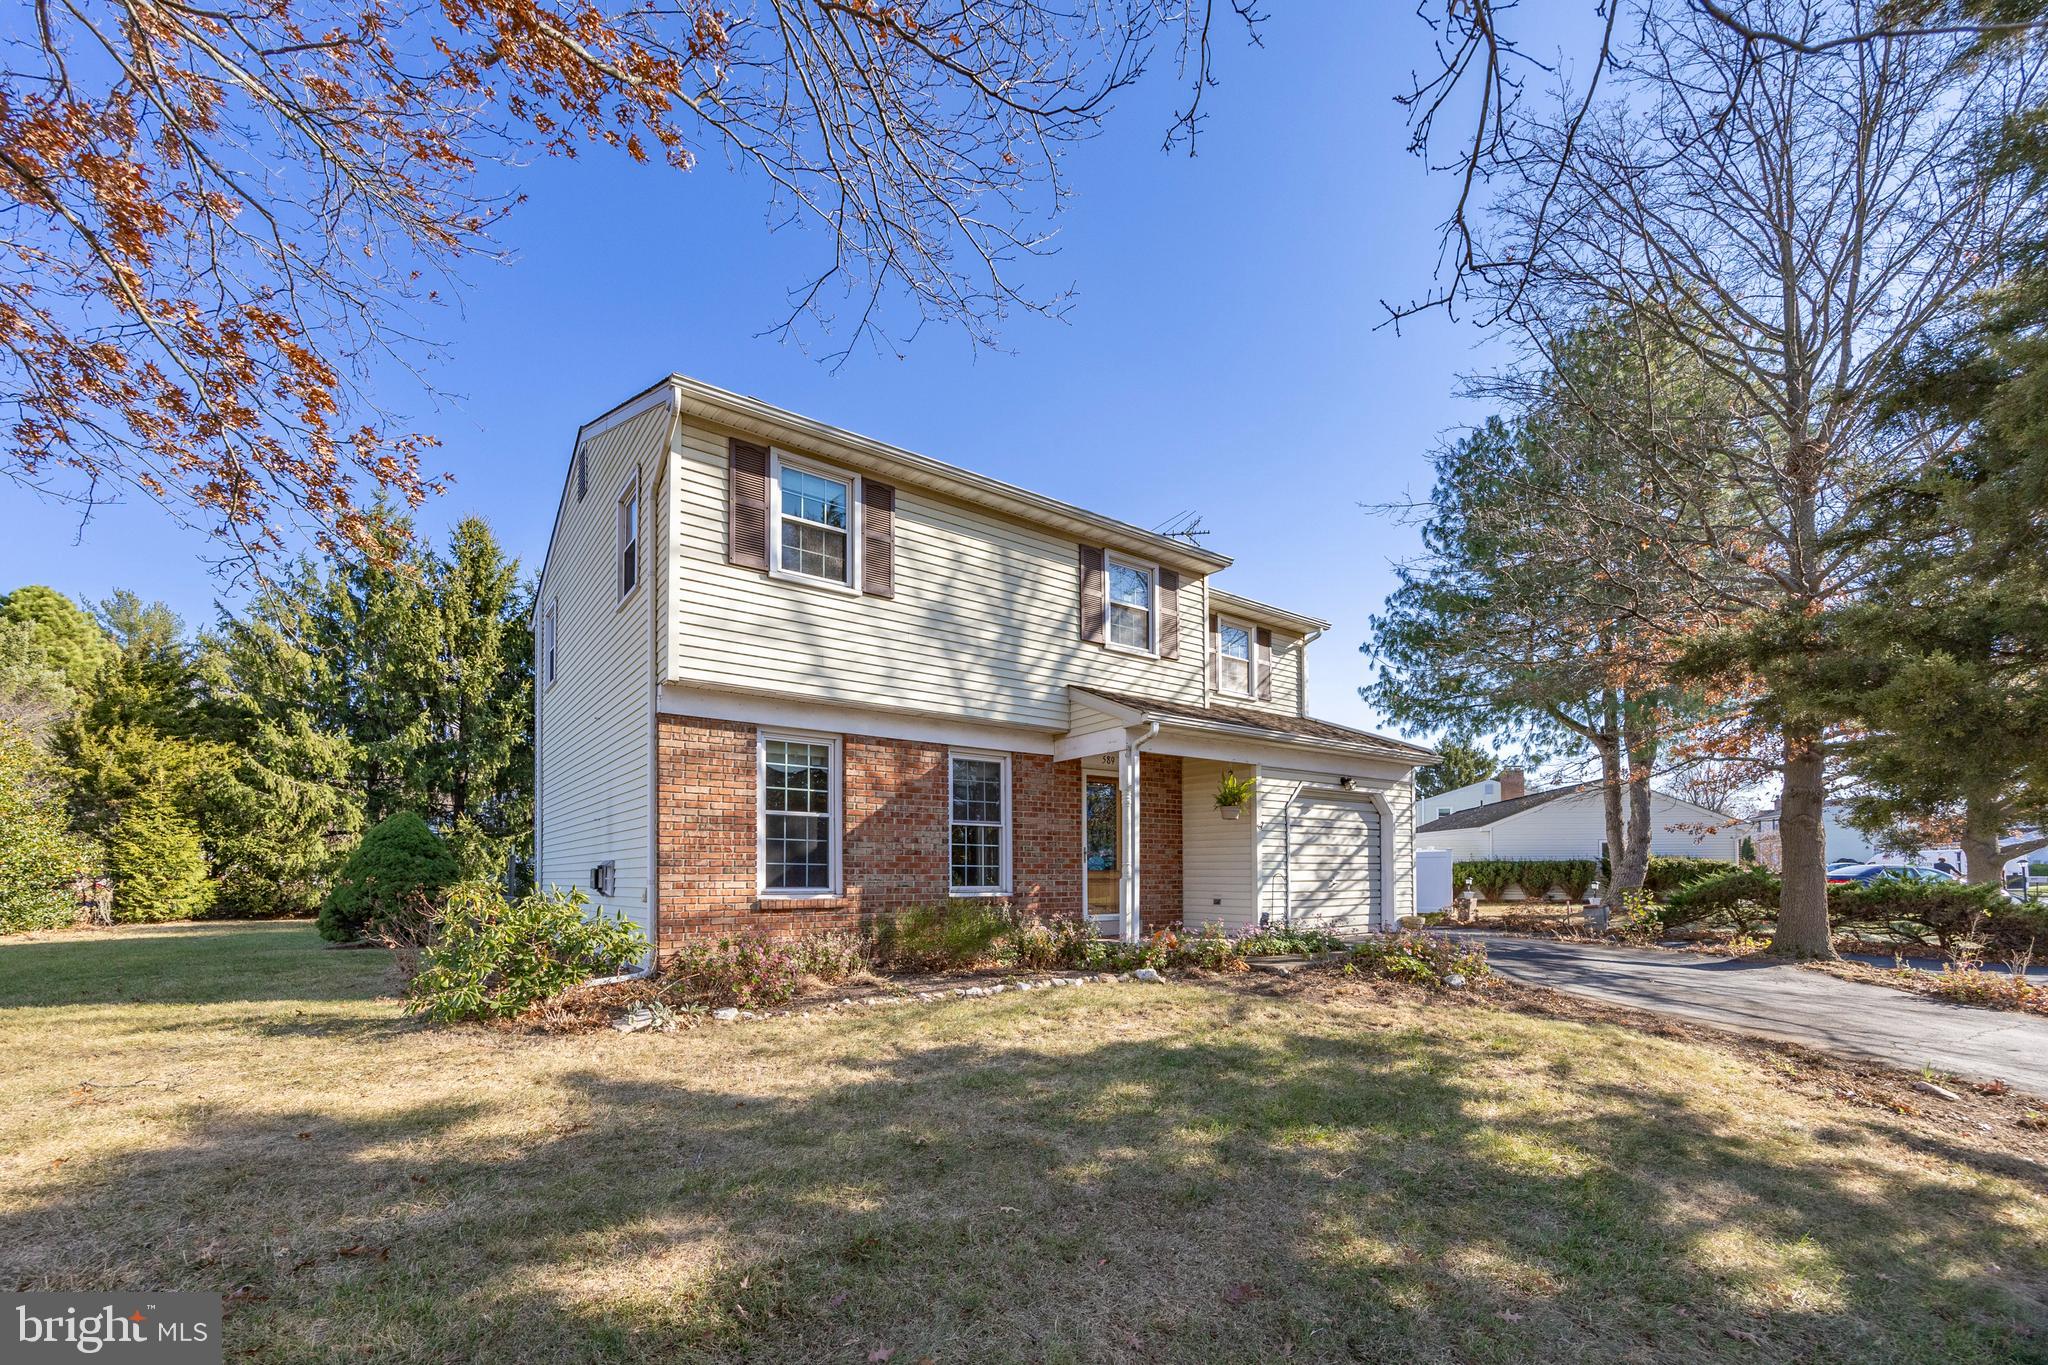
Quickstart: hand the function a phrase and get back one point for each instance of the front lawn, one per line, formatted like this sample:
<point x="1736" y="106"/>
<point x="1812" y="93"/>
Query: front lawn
<point x="1120" y="1173"/>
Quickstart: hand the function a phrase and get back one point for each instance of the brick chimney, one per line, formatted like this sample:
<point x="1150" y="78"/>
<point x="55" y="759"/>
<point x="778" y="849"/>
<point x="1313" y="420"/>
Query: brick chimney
<point x="1512" y="784"/>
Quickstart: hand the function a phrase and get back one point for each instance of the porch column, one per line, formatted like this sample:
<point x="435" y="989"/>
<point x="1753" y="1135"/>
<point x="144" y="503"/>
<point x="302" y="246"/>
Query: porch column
<point x="1127" y="877"/>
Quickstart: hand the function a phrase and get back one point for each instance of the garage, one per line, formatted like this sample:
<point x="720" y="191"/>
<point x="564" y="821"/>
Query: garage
<point x="1333" y="862"/>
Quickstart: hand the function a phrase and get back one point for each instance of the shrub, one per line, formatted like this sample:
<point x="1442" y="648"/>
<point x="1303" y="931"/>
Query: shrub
<point x="1970" y="983"/>
<point x="38" y="857"/>
<point x="489" y="957"/>
<point x="1742" y="898"/>
<point x="1035" y="945"/>
<point x="157" y="863"/>
<point x="399" y="860"/>
<point x="1948" y="915"/>
<point x="1208" y="949"/>
<point x="1491" y="877"/>
<point x="829" y="956"/>
<point x="1666" y="874"/>
<point x="1426" y="959"/>
<point x="745" y="971"/>
<point x="1275" y="942"/>
<point x="943" y="936"/>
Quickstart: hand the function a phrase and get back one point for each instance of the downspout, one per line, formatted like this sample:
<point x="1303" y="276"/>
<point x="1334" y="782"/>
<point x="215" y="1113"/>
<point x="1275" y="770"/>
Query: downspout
<point x="1128" y="888"/>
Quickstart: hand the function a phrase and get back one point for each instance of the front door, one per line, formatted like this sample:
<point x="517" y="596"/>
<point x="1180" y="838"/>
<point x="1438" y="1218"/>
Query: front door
<point x="1101" y="836"/>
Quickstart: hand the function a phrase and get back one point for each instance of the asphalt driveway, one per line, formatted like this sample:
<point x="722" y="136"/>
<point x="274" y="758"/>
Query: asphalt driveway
<point x="1778" y="1000"/>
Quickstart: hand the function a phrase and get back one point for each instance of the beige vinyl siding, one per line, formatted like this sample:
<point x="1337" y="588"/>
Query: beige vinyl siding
<point x="593" y="785"/>
<point x="1219" y="858"/>
<point x="1574" y="827"/>
<point x="984" y="624"/>
<point x="1278" y="789"/>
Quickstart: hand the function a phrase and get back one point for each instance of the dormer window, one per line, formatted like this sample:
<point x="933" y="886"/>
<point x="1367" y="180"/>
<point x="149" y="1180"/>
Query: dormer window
<point x="1131" y="592"/>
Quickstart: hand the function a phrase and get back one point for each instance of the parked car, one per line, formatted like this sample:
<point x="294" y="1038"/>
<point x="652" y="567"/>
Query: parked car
<point x="1845" y="873"/>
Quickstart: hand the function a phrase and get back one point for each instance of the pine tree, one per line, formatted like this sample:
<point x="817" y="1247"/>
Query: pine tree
<point x="157" y="863"/>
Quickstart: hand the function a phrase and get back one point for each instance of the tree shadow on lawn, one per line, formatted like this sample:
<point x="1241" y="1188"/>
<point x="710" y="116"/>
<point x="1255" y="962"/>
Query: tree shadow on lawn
<point x="1268" y="1184"/>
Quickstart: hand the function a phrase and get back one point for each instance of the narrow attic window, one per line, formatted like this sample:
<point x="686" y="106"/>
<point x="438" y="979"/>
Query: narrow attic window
<point x="582" y="471"/>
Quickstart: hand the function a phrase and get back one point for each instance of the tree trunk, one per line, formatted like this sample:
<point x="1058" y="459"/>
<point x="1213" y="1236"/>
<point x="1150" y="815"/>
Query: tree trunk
<point x="1641" y="740"/>
<point x="1803" y="905"/>
<point x="1608" y="745"/>
<point x="1983" y="864"/>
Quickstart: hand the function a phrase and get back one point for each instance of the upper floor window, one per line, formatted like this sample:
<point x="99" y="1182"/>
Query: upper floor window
<point x="814" y="515"/>
<point x="547" y="642"/>
<point x="1233" y="659"/>
<point x="1131" y="591"/>
<point x="628" y="538"/>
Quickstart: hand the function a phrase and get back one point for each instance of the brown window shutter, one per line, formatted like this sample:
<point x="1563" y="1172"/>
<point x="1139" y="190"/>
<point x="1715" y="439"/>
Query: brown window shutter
<point x="877" y="539"/>
<point x="1094" y="596"/>
<point x="746" y="511"/>
<point x="1169" y="614"/>
<point x="1215" y="645"/>
<point x="1262" y="660"/>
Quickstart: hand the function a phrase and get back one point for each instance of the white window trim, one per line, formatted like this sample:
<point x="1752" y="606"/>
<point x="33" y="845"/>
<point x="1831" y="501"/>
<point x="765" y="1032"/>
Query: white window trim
<point x="1251" y="659"/>
<point x="629" y="491"/>
<point x="1007" y="822"/>
<point x="834" y="824"/>
<point x="777" y="458"/>
<point x="1151" y="571"/>
<point x="549" y="668"/>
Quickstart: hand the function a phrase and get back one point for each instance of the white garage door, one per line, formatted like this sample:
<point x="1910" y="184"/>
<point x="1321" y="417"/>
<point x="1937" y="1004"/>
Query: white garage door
<point x="1333" y="864"/>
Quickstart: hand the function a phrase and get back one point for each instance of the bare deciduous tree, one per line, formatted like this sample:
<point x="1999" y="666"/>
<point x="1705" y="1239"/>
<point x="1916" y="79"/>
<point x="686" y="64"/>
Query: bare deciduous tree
<point x="224" y="220"/>
<point x="1793" y="218"/>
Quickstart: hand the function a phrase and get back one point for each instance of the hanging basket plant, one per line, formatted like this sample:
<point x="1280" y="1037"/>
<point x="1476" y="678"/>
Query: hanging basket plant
<point x="1233" y="793"/>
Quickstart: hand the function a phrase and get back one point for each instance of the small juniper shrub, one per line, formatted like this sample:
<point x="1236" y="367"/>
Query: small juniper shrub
<point x="1742" y="899"/>
<point x="947" y="935"/>
<point x="1424" y="959"/>
<point x="487" y="957"/>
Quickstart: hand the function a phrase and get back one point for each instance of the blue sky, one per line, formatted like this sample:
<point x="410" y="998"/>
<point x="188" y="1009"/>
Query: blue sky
<point x="1221" y="356"/>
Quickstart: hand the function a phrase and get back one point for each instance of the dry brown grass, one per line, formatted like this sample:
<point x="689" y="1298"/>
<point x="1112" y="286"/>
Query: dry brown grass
<point x="1309" y="1168"/>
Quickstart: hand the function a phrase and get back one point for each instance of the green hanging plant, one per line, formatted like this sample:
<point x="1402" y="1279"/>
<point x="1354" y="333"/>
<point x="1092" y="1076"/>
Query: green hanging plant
<point x="1233" y="792"/>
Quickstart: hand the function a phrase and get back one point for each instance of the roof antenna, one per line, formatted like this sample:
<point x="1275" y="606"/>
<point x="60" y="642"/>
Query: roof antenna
<point x="1185" y="525"/>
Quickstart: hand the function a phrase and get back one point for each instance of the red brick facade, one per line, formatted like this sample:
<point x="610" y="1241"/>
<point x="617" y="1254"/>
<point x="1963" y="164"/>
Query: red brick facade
<point x="894" y="833"/>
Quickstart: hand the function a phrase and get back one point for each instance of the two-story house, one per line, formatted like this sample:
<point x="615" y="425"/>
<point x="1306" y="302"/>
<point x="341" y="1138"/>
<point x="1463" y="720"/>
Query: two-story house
<point x="789" y="676"/>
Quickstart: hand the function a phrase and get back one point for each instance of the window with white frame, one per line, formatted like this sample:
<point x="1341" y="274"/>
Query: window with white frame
<point x="547" y="642"/>
<point x="814" y="520"/>
<point x="980" y="793"/>
<point x="1233" y="659"/>
<point x="628" y="539"/>
<point x="1132" y="590"/>
<point x="799" y="815"/>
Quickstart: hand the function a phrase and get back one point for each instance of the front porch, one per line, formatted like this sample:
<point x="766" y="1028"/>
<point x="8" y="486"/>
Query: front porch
<point x="1323" y="843"/>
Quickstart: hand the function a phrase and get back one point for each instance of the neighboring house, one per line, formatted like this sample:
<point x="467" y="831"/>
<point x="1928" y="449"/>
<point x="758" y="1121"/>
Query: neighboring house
<point x="789" y="677"/>
<point x="1501" y="818"/>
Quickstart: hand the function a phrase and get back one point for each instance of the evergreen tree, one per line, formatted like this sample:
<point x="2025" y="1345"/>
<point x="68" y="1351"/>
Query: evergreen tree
<point x="157" y="863"/>
<point x="38" y="855"/>
<point x="69" y="638"/>
<point x="1462" y="764"/>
